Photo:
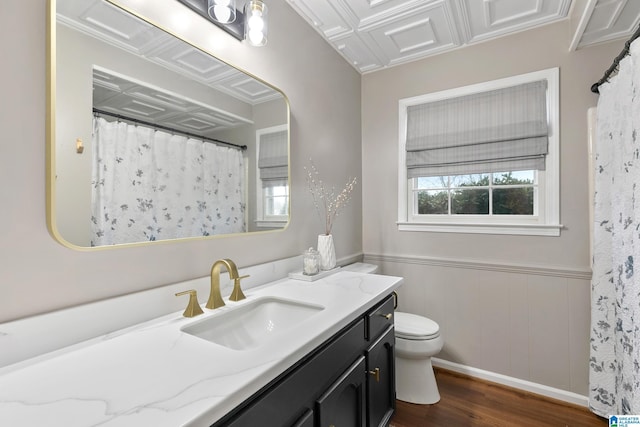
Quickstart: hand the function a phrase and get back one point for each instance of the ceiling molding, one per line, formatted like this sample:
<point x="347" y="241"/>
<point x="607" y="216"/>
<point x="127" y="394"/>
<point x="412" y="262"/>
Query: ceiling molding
<point x="606" y="20"/>
<point x="376" y="34"/>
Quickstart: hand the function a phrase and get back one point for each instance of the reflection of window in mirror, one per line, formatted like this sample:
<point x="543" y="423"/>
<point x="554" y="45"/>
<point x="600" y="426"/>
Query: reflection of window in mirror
<point x="272" y="177"/>
<point x="168" y="83"/>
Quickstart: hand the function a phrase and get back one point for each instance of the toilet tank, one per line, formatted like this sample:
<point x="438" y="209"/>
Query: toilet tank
<point x="361" y="267"/>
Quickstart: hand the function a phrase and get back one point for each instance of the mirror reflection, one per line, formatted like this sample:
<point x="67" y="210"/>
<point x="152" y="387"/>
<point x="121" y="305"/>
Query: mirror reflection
<point x="156" y="139"/>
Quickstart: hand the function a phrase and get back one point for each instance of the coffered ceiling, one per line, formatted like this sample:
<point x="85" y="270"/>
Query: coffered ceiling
<point x="375" y="34"/>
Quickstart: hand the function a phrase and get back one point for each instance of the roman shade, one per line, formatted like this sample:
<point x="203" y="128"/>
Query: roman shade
<point x="273" y="159"/>
<point x="495" y="131"/>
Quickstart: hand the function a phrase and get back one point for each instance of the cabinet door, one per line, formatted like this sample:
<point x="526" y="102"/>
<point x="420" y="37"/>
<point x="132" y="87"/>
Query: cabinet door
<point x="343" y="404"/>
<point x="305" y="420"/>
<point x="381" y="381"/>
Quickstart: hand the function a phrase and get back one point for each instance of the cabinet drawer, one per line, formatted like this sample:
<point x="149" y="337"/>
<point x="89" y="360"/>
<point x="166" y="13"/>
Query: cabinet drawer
<point x="380" y="318"/>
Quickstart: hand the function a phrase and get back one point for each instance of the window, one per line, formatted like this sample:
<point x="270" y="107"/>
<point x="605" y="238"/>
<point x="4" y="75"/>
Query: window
<point x="273" y="177"/>
<point x="275" y="196"/>
<point x="504" y="193"/>
<point x="482" y="158"/>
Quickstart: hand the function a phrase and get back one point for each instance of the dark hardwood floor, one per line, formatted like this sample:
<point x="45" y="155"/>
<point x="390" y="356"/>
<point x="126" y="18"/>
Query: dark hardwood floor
<point x="466" y="401"/>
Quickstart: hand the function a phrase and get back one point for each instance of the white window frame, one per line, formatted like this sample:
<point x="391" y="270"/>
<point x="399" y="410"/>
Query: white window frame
<point x="545" y="222"/>
<point x="262" y="220"/>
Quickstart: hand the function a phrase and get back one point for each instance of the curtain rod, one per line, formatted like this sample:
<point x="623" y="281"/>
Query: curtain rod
<point x="172" y="130"/>
<point x="616" y="62"/>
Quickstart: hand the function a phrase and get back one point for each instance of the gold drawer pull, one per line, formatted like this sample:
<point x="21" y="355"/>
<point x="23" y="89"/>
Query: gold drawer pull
<point x="376" y="374"/>
<point x="387" y="316"/>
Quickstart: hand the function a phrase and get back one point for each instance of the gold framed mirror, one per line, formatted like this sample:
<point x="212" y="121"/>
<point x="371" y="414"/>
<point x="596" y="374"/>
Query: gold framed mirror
<point x="151" y="138"/>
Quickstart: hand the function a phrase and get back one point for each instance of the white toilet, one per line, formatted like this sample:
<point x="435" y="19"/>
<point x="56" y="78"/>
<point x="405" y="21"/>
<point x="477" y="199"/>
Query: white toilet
<point x="417" y="339"/>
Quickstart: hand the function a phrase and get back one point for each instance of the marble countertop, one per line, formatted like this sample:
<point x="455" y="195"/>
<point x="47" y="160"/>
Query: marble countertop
<point x="155" y="374"/>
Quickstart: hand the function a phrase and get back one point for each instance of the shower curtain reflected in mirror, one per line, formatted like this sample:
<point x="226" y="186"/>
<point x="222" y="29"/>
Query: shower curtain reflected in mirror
<point x="151" y="185"/>
<point x="614" y="376"/>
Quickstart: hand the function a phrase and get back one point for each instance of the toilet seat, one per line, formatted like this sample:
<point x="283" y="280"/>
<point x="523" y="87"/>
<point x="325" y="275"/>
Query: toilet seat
<point x="413" y="327"/>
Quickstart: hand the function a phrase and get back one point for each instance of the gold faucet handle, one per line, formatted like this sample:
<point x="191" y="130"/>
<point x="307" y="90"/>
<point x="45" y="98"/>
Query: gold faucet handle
<point x="193" y="308"/>
<point x="237" y="294"/>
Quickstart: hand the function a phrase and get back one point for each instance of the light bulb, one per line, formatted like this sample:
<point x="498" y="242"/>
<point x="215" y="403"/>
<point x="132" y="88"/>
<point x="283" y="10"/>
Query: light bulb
<point x="223" y="11"/>
<point x="256" y="23"/>
<point x="222" y="14"/>
<point x="256" y="38"/>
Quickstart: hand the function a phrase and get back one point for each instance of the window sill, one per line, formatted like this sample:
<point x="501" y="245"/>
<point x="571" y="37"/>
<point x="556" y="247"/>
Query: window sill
<point x="552" y="230"/>
<point x="271" y="224"/>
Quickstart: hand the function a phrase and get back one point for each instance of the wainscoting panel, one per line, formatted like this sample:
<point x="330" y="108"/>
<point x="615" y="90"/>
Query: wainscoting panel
<point x="579" y="332"/>
<point x="526" y="322"/>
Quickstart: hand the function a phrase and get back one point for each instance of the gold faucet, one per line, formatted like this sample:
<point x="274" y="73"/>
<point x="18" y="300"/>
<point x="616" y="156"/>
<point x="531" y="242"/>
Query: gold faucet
<point x="215" y="297"/>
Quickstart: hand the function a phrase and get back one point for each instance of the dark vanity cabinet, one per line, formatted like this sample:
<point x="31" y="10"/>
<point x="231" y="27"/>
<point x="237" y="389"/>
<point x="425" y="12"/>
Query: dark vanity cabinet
<point x="381" y="381"/>
<point x="380" y="364"/>
<point x="344" y="403"/>
<point x="306" y="420"/>
<point x="348" y="381"/>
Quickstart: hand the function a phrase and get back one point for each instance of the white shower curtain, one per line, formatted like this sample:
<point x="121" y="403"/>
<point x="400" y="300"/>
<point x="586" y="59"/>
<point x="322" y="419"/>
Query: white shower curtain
<point x="150" y="185"/>
<point x="614" y="379"/>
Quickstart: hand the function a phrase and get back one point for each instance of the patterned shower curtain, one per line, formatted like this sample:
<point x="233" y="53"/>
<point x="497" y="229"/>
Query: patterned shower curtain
<point x="150" y="185"/>
<point x="614" y="379"/>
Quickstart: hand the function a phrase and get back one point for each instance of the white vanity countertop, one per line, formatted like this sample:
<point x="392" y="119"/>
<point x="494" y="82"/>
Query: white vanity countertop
<point x="153" y="374"/>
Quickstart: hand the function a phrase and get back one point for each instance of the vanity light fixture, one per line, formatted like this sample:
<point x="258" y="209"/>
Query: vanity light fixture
<point x="250" y="25"/>
<point x="255" y="22"/>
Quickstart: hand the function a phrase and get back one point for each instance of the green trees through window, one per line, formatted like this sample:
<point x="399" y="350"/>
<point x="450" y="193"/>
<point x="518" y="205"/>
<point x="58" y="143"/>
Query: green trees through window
<point x="505" y="193"/>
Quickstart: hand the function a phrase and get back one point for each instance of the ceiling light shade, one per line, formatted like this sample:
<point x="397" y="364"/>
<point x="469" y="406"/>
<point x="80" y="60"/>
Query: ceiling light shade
<point x="223" y="11"/>
<point x="255" y="22"/>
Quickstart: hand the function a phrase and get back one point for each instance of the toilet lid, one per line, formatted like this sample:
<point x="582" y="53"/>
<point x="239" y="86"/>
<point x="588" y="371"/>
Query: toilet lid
<point x="414" y="327"/>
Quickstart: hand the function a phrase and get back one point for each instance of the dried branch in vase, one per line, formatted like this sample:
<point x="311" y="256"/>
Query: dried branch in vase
<point x="327" y="202"/>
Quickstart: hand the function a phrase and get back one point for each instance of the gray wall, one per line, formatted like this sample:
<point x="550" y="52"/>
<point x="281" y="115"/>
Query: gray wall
<point x="38" y="274"/>
<point x="515" y="305"/>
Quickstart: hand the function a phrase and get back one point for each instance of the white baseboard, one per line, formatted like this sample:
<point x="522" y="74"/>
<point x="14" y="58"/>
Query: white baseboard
<point x="554" y="393"/>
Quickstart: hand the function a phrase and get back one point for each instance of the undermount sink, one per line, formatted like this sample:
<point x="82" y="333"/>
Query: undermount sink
<point x="253" y="323"/>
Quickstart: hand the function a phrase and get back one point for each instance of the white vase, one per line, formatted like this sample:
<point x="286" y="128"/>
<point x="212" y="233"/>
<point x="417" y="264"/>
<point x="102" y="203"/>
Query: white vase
<point x="327" y="251"/>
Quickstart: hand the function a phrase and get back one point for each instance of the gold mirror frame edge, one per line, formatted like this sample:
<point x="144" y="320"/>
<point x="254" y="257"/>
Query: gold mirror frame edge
<point x="50" y="155"/>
